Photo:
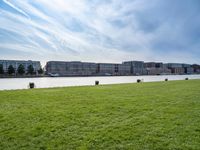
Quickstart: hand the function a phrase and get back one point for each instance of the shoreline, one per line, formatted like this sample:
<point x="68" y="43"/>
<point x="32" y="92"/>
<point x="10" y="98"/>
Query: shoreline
<point x="101" y="84"/>
<point x="43" y="76"/>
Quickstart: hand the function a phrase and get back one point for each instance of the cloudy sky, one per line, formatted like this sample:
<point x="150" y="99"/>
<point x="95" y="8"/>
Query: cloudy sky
<point x="100" y="30"/>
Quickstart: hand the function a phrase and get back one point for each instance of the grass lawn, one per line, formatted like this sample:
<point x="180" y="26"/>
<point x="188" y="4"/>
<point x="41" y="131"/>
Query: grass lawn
<point x="159" y="115"/>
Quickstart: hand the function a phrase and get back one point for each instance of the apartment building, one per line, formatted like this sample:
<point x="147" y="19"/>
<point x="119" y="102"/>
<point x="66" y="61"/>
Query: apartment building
<point x="15" y="63"/>
<point x="156" y="68"/>
<point x="113" y="69"/>
<point x="73" y="68"/>
<point x="196" y="68"/>
<point x="137" y="67"/>
<point x="78" y="68"/>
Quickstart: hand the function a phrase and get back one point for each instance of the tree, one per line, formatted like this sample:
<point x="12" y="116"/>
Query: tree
<point x="11" y="69"/>
<point x="1" y="69"/>
<point x="40" y="71"/>
<point x="30" y="69"/>
<point x="21" y="69"/>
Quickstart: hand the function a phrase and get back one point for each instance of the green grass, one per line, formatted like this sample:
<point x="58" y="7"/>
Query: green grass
<point x="159" y="115"/>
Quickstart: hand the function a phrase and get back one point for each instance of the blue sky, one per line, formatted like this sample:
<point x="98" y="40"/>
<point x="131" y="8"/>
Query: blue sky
<point x="100" y="30"/>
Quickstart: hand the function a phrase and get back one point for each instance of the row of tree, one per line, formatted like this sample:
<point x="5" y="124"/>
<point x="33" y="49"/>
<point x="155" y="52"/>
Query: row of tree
<point x="20" y="70"/>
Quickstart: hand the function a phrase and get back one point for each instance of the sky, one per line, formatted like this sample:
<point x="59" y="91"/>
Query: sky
<point x="100" y="30"/>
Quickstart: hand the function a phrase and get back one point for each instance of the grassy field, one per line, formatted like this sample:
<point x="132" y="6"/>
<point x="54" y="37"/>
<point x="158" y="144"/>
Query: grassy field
<point x="159" y="115"/>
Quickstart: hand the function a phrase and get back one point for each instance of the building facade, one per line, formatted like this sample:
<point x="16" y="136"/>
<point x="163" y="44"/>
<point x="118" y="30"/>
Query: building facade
<point x="158" y="71"/>
<point x="78" y="68"/>
<point x="113" y="69"/>
<point x="153" y="65"/>
<point x="137" y="67"/>
<point x="176" y="68"/>
<point x="15" y="63"/>
<point x="196" y="68"/>
<point x="106" y="69"/>
<point x="73" y="68"/>
<point x="156" y="68"/>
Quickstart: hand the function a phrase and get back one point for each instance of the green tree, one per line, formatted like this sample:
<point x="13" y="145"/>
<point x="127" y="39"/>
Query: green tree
<point x="30" y="69"/>
<point x="21" y="69"/>
<point x="40" y="71"/>
<point x="11" y="69"/>
<point x="1" y="69"/>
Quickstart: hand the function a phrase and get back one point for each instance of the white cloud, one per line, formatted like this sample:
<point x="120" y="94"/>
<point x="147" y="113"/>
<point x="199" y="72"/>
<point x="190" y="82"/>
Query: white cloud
<point x="86" y="30"/>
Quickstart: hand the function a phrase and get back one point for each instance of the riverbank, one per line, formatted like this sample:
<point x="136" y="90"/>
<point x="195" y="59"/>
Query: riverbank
<point x="46" y="82"/>
<point x="22" y="76"/>
<point x="40" y="76"/>
<point x="158" y="115"/>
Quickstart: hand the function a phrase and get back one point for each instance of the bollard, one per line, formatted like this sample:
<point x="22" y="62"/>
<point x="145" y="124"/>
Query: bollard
<point x="166" y="79"/>
<point x="31" y="85"/>
<point x="96" y="82"/>
<point x="138" y="80"/>
<point x="186" y="78"/>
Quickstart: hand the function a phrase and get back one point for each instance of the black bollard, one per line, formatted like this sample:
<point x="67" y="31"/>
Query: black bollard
<point x="186" y="78"/>
<point x="166" y="79"/>
<point x="96" y="82"/>
<point x="138" y="80"/>
<point x="31" y="85"/>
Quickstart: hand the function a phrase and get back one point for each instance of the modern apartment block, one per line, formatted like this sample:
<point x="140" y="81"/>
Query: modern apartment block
<point x="73" y="68"/>
<point x="77" y="68"/>
<point x="137" y="67"/>
<point x="113" y="69"/>
<point x="124" y="69"/>
<point x="153" y="65"/>
<point x="196" y="68"/>
<point x="156" y="68"/>
<point x="177" y="68"/>
<point x="106" y="69"/>
<point x="188" y="69"/>
<point x="15" y="63"/>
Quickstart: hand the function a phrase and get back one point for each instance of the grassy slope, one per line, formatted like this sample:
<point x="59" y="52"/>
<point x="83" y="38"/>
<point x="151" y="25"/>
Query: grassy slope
<point x="163" y="115"/>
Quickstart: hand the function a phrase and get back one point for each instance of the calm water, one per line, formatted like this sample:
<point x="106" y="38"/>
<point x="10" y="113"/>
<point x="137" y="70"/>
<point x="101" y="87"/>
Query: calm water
<point x="22" y="83"/>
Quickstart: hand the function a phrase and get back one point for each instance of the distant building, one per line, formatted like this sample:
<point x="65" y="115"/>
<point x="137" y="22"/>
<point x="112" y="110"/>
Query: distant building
<point x="73" y="68"/>
<point x="158" y="71"/>
<point x="124" y="69"/>
<point x="188" y="69"/>
<point x="196" y="68"/>
<point x="106" y="69"/>
<point x="176" y="68"/>
<point x="113" y="69"/>
<point x="156" y="68"/>
<point x="15" y="63"/>
<point x="137" y="67"/>
<point x="78" y="68"/>
<point x="178" y="71"/>
<point x="174" y="65"/>
<point x="153" y="65"/>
